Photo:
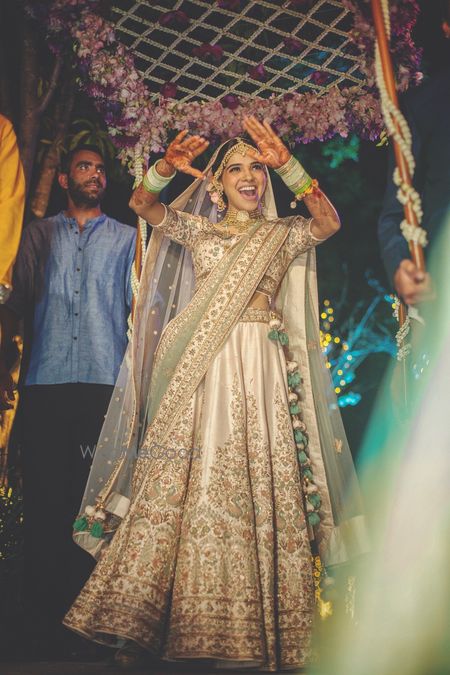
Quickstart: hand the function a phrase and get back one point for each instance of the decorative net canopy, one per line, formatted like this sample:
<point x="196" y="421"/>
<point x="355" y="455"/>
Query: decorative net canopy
<point x="153" y="68"/>
<point x="243" y="47"/>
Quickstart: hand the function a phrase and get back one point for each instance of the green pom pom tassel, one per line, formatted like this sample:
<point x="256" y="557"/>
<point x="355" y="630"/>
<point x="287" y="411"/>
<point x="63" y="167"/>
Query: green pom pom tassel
<point x="273" y="335"/>
<point x="97" y="530"/>
<point x="294" y="379"/>
<point x="299" y="438"/>
<point x="294" y="409"/>
<point x="81" y="524"/>
<point x="313" y="519"/>
<point x="307" y="473"/>
<point x="302" y="457"/>
<point x="315" y="500"/>
<point x="283" y="338"/>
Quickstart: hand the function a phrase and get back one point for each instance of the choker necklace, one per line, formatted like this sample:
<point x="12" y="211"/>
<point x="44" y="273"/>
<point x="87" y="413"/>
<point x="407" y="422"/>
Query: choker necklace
<point x="238" y="221"/>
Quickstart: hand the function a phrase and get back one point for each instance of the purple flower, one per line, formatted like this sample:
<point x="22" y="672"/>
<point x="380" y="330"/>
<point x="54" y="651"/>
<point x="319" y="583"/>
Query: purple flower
<point x="258" y="72"/>
<point x="229" y="4"/>
<point x="177" y="19"/>
<point x="169" y="90"/>
<point x="125" y="141"/>
<point x="301" y="5"/>
<point x="319" y="77"/>
<point x="293" y="45"/>
<point x="230" y="101"/>
<point x="215" y="51"/>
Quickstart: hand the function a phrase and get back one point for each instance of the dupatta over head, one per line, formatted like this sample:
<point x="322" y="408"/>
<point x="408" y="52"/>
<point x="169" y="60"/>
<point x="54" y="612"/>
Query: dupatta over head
<point x="166" y="288"/>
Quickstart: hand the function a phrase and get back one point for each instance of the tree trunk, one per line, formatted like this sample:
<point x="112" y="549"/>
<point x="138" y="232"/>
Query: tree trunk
<point x="5" y="95"/>
<point x="47" y="171"/>
<point x="31" y="106"/>
<point x="29" y="120"/>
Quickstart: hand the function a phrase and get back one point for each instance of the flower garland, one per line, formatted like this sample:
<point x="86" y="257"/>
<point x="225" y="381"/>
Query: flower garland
<point x="406" y="56"/>
<point x="107" y="73"/>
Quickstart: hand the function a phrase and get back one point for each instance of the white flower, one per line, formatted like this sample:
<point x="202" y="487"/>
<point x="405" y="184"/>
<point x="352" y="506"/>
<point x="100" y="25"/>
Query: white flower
<point x="297" y="424"/>
<point x="275" y="323"/>
<point x="100" y="515"/>
<point x="291" y="366"/>
<point x="311" y="489"/>
<point x="292" y="396"/>
<point x="89" y="510"/>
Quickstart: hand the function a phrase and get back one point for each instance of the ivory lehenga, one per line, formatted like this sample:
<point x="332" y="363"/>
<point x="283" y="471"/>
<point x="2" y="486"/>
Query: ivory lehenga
<point x="197" y="467"/>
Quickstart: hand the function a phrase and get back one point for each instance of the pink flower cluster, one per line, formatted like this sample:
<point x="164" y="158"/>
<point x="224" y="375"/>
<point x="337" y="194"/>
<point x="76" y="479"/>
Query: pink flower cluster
<point x="107" y="73"/>
<point x="298" y="118"/>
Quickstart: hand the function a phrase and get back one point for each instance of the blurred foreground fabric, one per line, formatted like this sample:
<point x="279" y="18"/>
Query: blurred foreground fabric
<point x="402" y="618"/>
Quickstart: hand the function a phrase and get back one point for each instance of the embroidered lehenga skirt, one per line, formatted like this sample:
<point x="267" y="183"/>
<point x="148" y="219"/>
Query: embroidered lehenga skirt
<point x="213" y="560"/>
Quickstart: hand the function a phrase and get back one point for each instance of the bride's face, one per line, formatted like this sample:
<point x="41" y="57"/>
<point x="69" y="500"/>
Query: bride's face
<point x="244" y="181"/>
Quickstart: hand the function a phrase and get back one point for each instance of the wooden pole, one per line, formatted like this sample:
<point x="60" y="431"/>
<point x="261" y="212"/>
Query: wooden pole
<point x="415" y="249"/>
<point x="388" y="72"/>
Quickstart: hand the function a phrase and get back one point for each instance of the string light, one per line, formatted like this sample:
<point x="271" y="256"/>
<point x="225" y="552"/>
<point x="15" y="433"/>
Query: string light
<point x="345" y="354"/>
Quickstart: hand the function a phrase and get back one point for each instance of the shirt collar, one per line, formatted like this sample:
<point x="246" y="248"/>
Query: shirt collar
<point x="89" y="224"/>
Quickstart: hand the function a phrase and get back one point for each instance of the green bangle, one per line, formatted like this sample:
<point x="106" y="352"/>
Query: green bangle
<point x="153" y="182"/>
<point x="149" y="187"/>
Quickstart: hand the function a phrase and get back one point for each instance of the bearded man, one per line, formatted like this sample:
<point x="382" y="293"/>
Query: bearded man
<point x="72" y="279"/>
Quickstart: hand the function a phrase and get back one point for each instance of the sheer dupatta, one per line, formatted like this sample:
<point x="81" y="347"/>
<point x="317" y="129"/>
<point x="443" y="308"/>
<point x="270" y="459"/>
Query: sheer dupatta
<point x="166" y="288"/>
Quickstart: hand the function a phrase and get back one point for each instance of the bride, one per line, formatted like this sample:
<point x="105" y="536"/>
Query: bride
<point x="222" y="471"/>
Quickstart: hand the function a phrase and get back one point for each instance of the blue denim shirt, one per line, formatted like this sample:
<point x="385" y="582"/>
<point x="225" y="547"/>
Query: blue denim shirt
<point x="77" y="284"/>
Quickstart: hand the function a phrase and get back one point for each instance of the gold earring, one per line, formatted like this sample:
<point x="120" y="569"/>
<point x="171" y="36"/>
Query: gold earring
<point x="215" y="189"/>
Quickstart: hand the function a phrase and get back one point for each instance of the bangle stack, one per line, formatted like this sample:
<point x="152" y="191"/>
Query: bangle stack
<point x="298" y="181"/>
<point x="153" y="182"/>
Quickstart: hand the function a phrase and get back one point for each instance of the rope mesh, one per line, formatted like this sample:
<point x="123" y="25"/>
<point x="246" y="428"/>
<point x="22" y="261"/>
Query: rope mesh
<point x="252" y="34"/>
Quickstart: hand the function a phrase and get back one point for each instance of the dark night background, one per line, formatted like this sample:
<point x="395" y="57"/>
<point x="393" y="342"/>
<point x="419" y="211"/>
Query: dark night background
<point x="355" y="186"/>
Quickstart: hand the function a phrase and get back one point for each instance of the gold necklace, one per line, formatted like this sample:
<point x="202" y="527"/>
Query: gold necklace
<point x="239" y="221"/>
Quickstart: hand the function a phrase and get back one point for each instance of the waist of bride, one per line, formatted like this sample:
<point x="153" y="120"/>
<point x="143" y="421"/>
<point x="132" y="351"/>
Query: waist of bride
<point x="256" y="314"/>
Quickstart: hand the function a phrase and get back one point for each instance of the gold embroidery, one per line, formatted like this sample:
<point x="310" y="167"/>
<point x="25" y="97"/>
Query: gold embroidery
<point x="219" y="567"/>
<point x="225" y="308"/>
<point x="255" y="314"/>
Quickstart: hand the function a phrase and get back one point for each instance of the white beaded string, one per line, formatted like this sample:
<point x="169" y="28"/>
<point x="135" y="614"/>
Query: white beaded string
<point x="134" y="280"/>
<point x="403" y="347"/>
<point x="402" y="134"/>
<point x="398" y="128"/>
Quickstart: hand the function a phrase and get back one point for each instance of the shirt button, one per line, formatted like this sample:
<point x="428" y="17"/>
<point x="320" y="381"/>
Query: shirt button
<point x="75" y="313"/>
<point x="78" y="269"/>
<point x="77" y="292"/>
<point x="75" y="337"/>
<point x="79" y="248"/>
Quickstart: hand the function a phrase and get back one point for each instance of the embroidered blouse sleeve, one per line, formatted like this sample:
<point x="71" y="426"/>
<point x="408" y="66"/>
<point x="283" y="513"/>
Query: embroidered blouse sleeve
<point x="300" y="239"/>
<point x="184" y="228"/>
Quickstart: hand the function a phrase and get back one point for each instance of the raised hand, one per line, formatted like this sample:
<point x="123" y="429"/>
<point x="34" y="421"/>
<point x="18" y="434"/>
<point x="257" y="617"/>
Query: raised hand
<point x="272" y="150"/>
<point x="182" y="151"/>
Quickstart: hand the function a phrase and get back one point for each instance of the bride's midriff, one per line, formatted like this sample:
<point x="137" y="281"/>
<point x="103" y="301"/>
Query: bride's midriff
<point x="259" y="301"/>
